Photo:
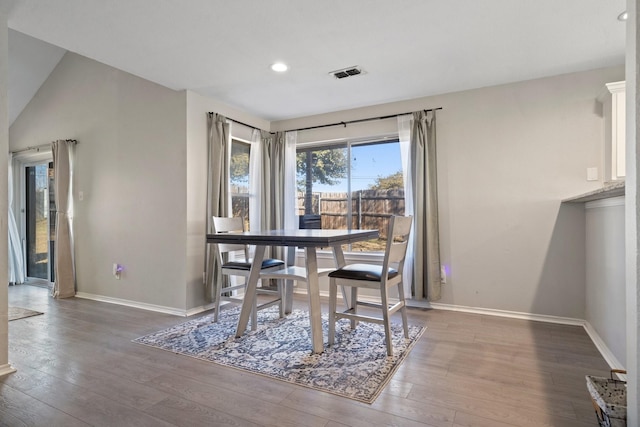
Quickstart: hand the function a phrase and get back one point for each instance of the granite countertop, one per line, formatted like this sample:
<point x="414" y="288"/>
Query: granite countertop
<point x="612" y="189"/>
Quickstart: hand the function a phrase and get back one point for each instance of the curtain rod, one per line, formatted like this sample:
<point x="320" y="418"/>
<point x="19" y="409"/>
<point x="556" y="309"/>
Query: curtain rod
<point x="236" y="121"/>
<point x="359" y="120"/>
<point x="38" y="147"/>
<point x="336" y="124"/>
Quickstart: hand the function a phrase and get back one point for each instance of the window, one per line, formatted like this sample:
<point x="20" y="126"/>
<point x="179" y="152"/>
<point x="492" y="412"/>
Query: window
<point x="239" y="174"/>
<point x="352" y="185"/>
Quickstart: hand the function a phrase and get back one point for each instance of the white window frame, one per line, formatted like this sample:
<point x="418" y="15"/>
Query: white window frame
<point x="358" y="256"/>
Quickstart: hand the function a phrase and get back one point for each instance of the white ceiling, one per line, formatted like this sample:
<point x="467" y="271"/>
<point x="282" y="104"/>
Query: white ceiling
<point x="407" y="48"/>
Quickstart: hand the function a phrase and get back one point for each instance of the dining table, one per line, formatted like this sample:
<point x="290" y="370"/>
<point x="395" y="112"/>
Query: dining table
<point x="308" y="239"/>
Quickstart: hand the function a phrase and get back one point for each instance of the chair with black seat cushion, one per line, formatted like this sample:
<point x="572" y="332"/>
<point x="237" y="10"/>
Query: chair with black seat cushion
<point x="242" y="267"/>
<point x="381" y="277"/>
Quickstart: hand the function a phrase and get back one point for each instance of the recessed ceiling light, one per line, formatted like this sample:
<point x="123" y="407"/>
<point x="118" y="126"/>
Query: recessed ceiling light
<point x="279" y="67"/>
<point x="623" y="16"/>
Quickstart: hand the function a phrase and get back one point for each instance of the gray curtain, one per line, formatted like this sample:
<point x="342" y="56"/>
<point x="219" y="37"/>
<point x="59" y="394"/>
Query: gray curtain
<point x="426" y="271"/>
<point x="64" y="285"/>
<point x="273" y="179"/>
<point x="218" y="198"/>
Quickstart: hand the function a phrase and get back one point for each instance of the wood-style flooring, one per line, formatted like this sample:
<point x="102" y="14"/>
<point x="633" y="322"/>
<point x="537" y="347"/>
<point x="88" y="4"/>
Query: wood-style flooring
<point x="77" y="366"/>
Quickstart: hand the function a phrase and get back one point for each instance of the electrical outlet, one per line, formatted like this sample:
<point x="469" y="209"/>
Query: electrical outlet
<point x="117" y="271"/>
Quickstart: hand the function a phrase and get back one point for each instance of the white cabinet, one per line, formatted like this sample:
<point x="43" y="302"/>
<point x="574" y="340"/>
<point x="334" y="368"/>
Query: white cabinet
<point x="613" y="103"/>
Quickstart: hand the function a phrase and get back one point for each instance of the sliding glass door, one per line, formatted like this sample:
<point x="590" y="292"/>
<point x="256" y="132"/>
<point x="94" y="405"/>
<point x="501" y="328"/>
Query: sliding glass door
<point x="38" y="209"/>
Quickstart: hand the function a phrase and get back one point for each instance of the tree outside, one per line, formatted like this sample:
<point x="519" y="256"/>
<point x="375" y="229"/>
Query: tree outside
<point x="391" y="182"/>
<point x="327" y="167"/>
<point x="239" y="176"/>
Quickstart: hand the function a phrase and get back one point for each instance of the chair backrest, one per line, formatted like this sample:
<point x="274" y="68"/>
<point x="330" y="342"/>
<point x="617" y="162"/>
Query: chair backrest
<point x="310" y="222"/>
<point x="226" y="225"/>
<point x="397" y="241"/>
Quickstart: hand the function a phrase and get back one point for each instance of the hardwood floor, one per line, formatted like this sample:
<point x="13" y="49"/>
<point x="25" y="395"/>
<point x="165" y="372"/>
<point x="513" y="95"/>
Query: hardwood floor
<point x="77" y="366"/>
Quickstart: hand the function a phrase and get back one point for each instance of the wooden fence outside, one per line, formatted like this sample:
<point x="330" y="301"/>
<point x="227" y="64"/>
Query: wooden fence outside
<point x="370" y="209"/>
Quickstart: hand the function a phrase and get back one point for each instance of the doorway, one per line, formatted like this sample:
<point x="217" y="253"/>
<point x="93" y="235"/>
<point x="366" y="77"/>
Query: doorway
<point x="38" y="221"/>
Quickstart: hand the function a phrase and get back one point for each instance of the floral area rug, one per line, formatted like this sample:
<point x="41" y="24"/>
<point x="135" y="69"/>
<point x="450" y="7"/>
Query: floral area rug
<point x="357" y="366"/>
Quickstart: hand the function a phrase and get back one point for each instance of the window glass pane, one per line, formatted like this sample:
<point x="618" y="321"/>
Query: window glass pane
<point x="377" y="190"/>
<point x="323" y="185"/>
<point x="239" y="173"/>
<point x="352" y="186"/>
<point x="37" y="213"/>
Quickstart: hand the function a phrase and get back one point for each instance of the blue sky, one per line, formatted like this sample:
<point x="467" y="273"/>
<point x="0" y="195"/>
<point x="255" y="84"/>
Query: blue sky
<point x="367" y="163"/>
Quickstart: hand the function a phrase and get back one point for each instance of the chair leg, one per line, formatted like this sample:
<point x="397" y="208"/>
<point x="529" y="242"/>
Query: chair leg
<point x="333" y="296"/>
<point x="217" y="288"/>
<point x="403" y="310"/>
<point x="345" y="297"/>
<point x="254" y="308"/>
<point x="354" y="305"/>
<point x="281" y="293"/>
<point x="385" y="315"/>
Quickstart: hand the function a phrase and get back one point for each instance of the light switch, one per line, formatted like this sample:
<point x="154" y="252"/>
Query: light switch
<point x="592" y="174"/>
<point x="81" y="195"/>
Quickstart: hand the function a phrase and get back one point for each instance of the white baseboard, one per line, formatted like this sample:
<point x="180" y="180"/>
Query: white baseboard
<point x="6" y="370"/>
<point x="475" y="310"/>
<point x="203" y="308"/>
<point x="608" y="356"/>
<point x="510" y="314"/>
<point x="144" y="306"/>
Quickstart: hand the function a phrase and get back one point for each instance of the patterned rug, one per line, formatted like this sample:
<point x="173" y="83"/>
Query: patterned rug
<point x="357" y="366"/>
<point x="16" y="313"/>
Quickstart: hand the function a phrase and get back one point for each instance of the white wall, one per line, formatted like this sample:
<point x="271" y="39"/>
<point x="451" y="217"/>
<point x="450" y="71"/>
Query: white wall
<point x="131" y="167"/>
<point x="507" y="156"/>
<point x="605" y="267"/>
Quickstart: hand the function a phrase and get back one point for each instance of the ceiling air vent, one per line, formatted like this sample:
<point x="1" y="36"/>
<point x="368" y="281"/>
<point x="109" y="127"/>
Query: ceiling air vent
<point x="346" y="72"/>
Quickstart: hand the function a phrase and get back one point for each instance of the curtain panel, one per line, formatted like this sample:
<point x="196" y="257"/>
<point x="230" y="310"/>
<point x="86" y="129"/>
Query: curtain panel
<point x="290" y="202"/>
<point x="417" y="134"/>
<point x="64" y="285"/>
<point x="16" y="264"/>
<point x="273" y="183"/>
<point x="278" y="177"/>
<point x="218" y="194"/>
<point x="255" y="181"/>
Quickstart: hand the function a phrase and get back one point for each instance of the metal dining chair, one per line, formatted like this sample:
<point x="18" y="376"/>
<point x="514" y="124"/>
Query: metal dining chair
<point x="370" y="276"/>
<point x="242" y="267"/>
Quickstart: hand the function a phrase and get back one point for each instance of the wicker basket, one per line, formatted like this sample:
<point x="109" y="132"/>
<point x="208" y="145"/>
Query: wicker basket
<point x="609" y="398"/>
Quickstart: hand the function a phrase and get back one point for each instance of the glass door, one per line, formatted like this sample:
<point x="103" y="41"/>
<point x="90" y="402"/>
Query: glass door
<point x="39" y="221"/>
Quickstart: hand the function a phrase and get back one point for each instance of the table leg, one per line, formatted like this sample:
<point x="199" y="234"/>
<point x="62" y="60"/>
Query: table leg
<point x="288" y="284"/>
<point x="250" y="292"/>
<point x="315" y="313"/>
